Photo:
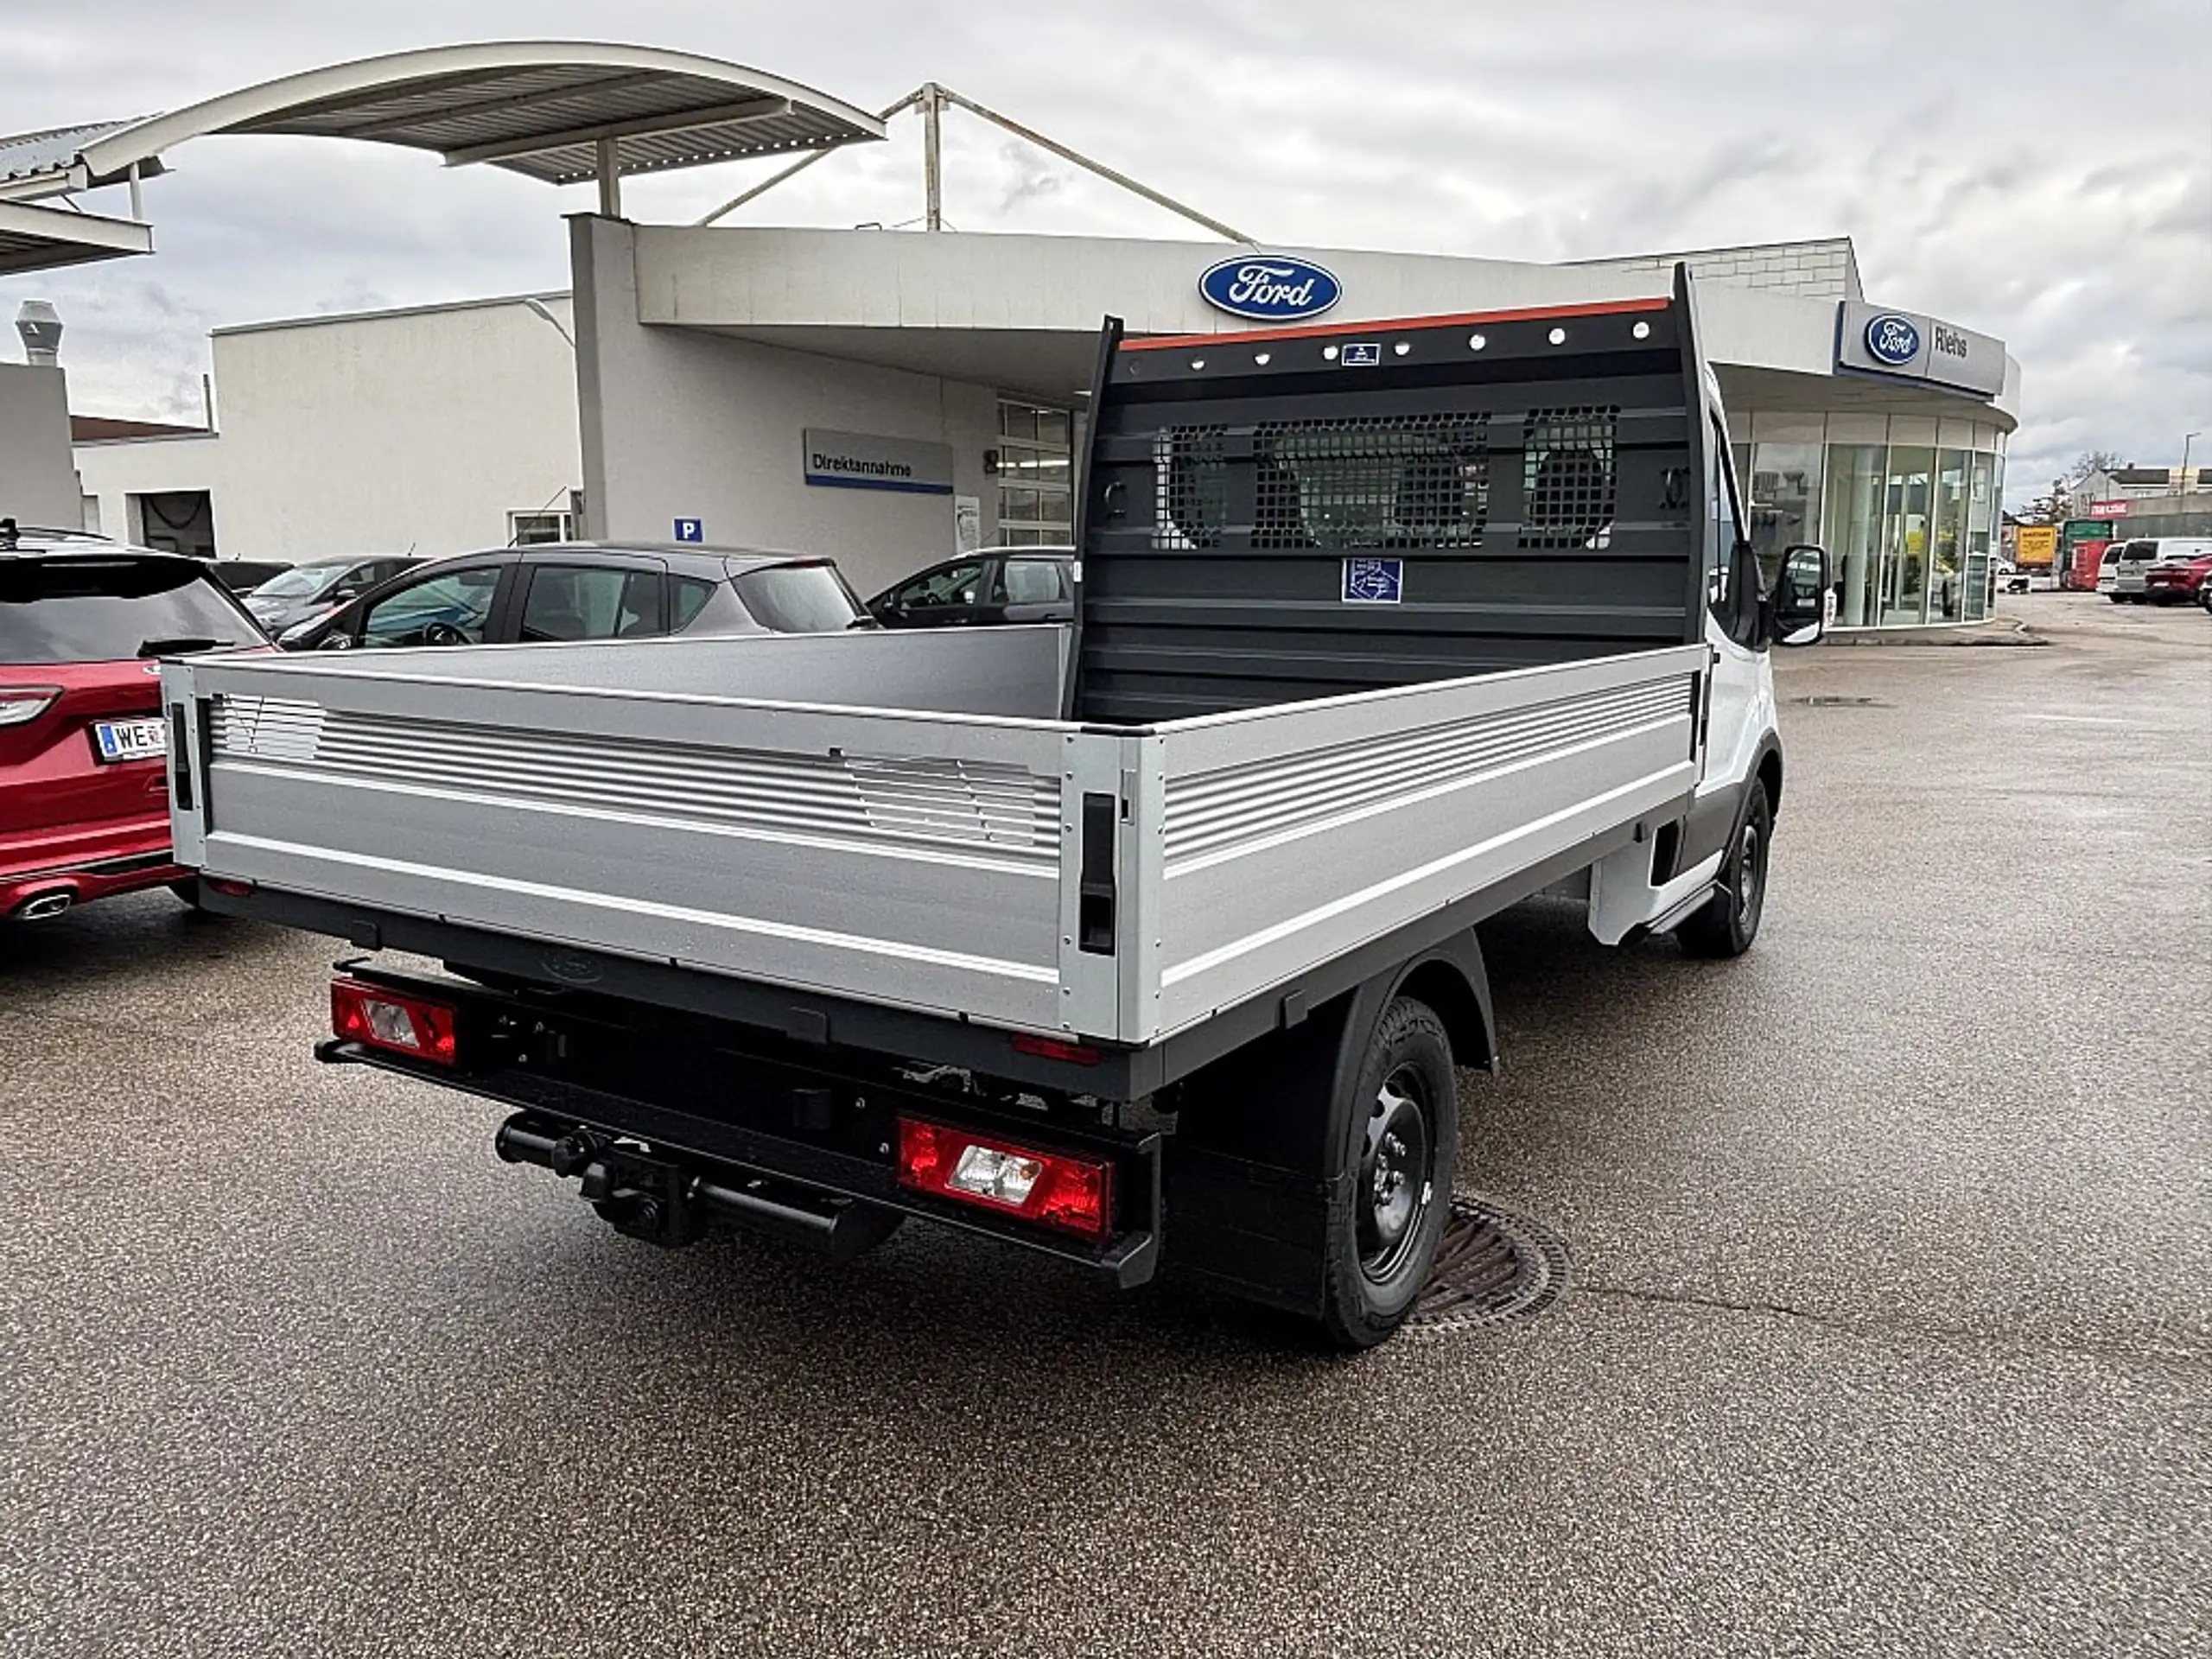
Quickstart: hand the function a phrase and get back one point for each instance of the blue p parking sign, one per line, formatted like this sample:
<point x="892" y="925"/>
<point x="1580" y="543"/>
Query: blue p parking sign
<point x="1374" y="582"/>
<point x="690" y="530"/>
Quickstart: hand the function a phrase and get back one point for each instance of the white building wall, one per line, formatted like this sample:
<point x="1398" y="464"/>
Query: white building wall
<point x="115" y="469"/>
<point x="686" y="423"/>
<point x="888" y="280"/>
<point x="392" y="432"/>
<point x="1825" y="269"/>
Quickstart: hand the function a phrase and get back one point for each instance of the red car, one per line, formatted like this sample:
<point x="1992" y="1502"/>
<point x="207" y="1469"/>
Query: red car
<point x="2178" y="575"/>
<point x="84" y="791"/>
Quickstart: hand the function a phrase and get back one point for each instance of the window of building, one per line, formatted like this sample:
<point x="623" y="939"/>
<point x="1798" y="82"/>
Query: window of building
<point x="1907" y="526"/>
<point x="537" y="529"/>
<point x="1854" y="537"/>
<point x="1907" y="507"/>
<point x="1946" y="544"/>
<point x="1785" y="485"/>
<point x="1036" y="473"/>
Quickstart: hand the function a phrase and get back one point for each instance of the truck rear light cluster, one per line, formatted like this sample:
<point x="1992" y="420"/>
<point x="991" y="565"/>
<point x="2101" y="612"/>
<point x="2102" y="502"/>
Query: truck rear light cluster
<point x="377" y="1018"/>
<point x="1053" y="1189"/>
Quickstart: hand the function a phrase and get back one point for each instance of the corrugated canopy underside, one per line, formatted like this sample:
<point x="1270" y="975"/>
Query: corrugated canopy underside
<point x="660" y="120"/>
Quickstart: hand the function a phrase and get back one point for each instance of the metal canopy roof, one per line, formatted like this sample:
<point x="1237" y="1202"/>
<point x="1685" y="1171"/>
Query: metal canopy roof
<point x="35" y="238"/>
<point x="34" y="165"/>
<point x="540" y="108"/>
<point x="54" y="151"/>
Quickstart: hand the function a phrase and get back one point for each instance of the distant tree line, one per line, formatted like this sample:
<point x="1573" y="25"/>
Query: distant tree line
<point x="2060" y="501"/>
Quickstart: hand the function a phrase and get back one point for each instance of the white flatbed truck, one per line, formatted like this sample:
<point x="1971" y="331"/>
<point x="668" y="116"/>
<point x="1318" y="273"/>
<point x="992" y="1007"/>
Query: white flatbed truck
<point x="1147" y="943"/>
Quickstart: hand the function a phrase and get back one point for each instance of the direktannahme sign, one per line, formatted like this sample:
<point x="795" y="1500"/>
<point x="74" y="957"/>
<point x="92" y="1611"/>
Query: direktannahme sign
<point x="857" y="460"/>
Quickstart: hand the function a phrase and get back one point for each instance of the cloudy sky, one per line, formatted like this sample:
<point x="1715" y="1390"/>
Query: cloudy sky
<point x="2038" y="170"/>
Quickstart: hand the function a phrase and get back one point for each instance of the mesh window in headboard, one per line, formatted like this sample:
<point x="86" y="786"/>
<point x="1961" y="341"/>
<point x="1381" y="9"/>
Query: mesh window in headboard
<point x="1382" y="480"/>
<point x="1568" y="476"/>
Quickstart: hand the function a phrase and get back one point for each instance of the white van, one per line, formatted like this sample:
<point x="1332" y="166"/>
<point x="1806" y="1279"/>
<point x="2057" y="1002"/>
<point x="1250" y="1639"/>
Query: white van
<point x="2109" y="569"/>
<point x="2177" y="574"/>
<point x="2130" y="583"/>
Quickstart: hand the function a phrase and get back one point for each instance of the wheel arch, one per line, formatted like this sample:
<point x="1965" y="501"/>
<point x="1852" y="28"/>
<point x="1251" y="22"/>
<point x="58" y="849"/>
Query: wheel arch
<point x="1452" y="979"/>
<point x="1769" y="771"/>
<point x="1255" y="1175"/>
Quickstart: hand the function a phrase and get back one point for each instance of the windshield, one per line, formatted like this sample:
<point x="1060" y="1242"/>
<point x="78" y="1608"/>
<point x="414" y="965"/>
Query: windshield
<point x="799" y="598"/>
<point x="80" y="610"/>
<point x="303" y="581"/>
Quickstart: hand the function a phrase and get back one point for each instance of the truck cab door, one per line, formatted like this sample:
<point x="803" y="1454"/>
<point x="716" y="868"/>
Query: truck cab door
<point x="1739" y="691"/>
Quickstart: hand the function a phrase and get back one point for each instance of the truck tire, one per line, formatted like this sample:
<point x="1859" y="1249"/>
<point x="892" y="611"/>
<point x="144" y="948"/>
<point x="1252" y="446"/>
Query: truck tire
<point x="1728" y="923"/>
<point x="1393" y="1194"/>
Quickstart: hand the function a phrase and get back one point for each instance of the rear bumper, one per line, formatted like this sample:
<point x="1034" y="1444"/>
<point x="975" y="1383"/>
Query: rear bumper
<point x="725" y="1117"/>
<point x="87" y="862"/>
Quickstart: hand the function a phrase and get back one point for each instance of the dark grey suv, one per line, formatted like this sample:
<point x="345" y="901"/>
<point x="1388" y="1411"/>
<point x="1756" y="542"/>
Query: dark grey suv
<point x="994" y="584"/>
<point x="306" y="591"/>
<point x="590" y="590"/>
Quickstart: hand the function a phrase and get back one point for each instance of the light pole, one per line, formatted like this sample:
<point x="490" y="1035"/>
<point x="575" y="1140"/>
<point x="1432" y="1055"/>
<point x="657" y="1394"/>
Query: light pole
<point x="545" y="311"/>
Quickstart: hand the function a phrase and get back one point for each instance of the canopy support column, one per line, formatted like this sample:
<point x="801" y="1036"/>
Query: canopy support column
<point x="932" y="156"/>
<point x="610" y="178"/>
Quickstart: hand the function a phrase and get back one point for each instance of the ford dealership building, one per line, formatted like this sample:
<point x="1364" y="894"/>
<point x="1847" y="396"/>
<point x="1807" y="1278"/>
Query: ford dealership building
<point x="891" y="398"/>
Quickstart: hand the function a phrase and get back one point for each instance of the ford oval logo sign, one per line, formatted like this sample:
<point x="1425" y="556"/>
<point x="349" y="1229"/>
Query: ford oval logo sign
<point x="1269" y="288"/>
<point x="1892" y="340"/>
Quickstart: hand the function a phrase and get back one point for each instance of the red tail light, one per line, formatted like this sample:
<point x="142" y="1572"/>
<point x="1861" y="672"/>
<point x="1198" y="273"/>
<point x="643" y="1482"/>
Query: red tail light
<point x="1053" y="1189"/>
<point x="22" y="704"/>
<point x="377" y="1018"/>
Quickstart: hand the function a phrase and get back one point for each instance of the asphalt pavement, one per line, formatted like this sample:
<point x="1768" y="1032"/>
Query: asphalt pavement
<point x="1891" y="1328"/>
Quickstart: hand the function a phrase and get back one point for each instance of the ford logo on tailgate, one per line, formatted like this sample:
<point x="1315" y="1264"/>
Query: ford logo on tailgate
<point x="1269" y="288"/>
<point x="1892" y="340"/>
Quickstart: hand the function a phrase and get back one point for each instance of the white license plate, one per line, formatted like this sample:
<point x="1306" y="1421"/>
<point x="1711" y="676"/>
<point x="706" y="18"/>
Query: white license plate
<point x="129" y="740"/>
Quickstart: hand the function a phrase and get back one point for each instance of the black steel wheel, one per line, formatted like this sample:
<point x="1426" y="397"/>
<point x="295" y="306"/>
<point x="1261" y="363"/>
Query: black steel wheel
<point x="1400" y="1136"/>
<point x="1729" y="922"/>
<point x="1394" y="1173"/>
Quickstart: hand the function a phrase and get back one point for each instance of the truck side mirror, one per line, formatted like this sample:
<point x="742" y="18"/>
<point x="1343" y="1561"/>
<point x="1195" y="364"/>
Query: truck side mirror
<point x="1796" y="606"/>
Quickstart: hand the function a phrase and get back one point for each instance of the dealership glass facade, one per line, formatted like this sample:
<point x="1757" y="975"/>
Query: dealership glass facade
<point x="1906" y="505"/>
<point x="1036" y="474"/>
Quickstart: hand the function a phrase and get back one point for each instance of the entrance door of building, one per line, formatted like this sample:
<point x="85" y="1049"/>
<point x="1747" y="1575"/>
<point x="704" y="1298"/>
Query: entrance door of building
<point x="173" y="521"/>
<point x="1904" y="553"/>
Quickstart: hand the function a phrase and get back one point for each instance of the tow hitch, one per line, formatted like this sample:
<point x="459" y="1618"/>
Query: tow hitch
<point x="672" y="1203"/>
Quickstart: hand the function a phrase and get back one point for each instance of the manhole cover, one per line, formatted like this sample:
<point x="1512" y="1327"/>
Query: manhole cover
<point x="1841" y="703"/>
<point x="1493" y="1266"/>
